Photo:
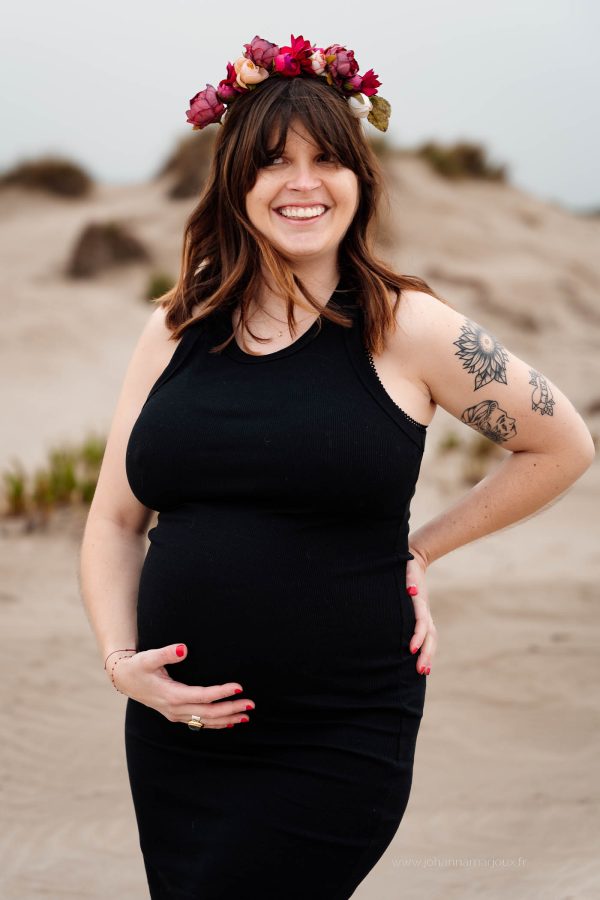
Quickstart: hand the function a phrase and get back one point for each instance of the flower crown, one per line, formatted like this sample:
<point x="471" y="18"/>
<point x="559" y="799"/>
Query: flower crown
<point x="262" y="59"/>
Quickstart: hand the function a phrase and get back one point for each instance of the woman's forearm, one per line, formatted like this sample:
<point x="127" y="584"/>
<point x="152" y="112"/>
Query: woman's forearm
<point x="522" y="484"/>
<point x="110" y="565"/>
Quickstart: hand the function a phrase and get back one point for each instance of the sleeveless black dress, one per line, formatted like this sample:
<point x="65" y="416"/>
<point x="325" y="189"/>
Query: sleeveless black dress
<point x="283" y="485"/>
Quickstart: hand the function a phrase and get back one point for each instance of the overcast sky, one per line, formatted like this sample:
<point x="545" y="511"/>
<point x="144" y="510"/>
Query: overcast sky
<point x="108" y="83"/>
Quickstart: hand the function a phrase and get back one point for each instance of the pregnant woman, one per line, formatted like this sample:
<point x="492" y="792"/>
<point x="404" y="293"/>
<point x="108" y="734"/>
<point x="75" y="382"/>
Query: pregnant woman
<point x="275" y="640"/>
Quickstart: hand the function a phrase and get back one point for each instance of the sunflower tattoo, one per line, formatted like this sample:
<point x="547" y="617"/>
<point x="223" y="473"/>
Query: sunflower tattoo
<point x="481" y="354"/>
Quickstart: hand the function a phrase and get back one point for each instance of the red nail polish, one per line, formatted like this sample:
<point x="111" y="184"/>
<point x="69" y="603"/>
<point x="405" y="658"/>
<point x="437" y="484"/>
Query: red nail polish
<point x="180" y="650"/>
<point x="412" y="590"/>
<point x="428" y="669"/>
<point x="230" y="724"/>
<point x="238" y="691"/>
<point x="414" y="650"/>
<point x="249" y="707"/>
<point x="245" y="719"/>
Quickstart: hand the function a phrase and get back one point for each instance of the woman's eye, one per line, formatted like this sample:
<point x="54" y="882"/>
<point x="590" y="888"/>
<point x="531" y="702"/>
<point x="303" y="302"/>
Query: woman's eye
<point x="324" y="156"/>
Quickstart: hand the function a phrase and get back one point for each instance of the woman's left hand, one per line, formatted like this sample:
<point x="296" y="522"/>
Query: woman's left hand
<point x="425" y="635"/>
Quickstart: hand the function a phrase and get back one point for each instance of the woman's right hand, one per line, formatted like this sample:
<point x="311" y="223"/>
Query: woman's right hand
<point x="143" y="677"/>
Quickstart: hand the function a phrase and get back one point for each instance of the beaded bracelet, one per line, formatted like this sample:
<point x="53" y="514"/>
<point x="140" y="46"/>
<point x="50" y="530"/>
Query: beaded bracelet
<point x="114" y="665"/>
<point x="118" y="651"/>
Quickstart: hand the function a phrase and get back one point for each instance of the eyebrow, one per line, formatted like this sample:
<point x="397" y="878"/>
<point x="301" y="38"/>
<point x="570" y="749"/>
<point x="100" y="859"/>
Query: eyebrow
<point x="317" y="150"/>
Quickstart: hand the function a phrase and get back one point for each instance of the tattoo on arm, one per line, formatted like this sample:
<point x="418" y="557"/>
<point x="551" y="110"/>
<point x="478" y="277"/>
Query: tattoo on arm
<point x="493" y="422"/>
<point x="482" y="354"/>
<point x="541" y="397"/>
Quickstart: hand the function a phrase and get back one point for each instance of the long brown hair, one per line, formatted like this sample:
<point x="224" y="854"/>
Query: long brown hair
<point x="223" y="253"/>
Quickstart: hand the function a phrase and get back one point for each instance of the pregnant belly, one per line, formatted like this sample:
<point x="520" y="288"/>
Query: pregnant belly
<point x="284" y="623"/>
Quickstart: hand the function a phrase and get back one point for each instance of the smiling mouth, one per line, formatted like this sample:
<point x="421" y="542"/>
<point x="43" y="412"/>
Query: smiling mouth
<point x="296" y="219"/>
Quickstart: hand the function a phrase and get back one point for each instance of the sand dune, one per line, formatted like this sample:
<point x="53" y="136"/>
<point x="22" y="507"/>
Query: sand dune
<point x="505" y="793"/>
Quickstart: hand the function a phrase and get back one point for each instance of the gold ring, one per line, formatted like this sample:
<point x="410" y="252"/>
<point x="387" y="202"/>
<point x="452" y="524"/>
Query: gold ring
<point x="195" y="723"/>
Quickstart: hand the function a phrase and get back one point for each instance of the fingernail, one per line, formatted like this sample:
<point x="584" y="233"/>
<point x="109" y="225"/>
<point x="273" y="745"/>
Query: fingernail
<point x="180" y="650"/>
<point x="230" y="724"/>
<point x="428" y="670"/>
<point x="249" y="707"/>
<point x="414" y="649"/>
<point x="412" y="590"/>
<point x="238" y="691"/>
<point x="245" y="719"/>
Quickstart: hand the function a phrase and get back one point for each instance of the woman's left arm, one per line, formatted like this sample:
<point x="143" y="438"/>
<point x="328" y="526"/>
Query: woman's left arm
<point x="475" y="378"/>
<point x="470" y="373"/>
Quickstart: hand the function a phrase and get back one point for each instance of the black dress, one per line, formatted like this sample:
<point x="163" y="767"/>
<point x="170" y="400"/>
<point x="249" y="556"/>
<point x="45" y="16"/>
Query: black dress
<point x="283" y="485"/>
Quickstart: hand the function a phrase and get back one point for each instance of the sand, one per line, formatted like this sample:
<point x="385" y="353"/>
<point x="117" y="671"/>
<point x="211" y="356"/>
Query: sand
<point x="506" y="782"/>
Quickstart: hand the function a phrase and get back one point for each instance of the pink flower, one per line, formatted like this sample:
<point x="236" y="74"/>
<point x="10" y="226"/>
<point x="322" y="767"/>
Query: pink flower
<point x="261" y="52"/>
<point x="226" y="91"/>
<point x="228" y="88"/>
<point x="355" y="83"/>
<point x="262" y="58"/>
<point x="294" y="59"/>
<point x="340" y="63"/>
<point x="248" y="73"/>
<point x="205" y="108"/>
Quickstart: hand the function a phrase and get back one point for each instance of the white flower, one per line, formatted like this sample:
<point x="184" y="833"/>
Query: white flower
<point x="360" y="105"/>
<point x="318" y="62"/>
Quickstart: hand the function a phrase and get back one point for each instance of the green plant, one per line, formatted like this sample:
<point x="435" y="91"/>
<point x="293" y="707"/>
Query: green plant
<point x="483" y="448"/>
<point x="381" y="146"/>
<point x="61" y="475"/>
<point x="449" y="442"/>
<point x="69" y="478"/>
<point x="158" y="284"/>
<point x="481" y="453"/>
<point x="15" y="490"/>
<point x="90" y="459"/>
<point x="461" y="160"/>
<point x="42" y="496"/>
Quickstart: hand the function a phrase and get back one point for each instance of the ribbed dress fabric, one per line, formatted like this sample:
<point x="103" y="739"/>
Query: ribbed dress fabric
<point x="283" y="486"/>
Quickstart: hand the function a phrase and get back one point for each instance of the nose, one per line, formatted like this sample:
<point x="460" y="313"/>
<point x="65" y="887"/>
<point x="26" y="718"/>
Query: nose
<point x="303" y="177"/>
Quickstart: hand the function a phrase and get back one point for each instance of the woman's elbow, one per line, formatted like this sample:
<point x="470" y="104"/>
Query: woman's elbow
<point x="576" y="456"/>
<point x="586" y="452"/>
<point x="567" y="460"/>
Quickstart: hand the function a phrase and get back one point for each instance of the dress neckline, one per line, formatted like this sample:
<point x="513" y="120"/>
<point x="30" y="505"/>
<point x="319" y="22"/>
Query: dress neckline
<point x="235" y="351"/>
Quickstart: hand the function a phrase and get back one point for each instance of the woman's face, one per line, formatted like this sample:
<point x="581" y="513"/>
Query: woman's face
<point x="303" y="177"/>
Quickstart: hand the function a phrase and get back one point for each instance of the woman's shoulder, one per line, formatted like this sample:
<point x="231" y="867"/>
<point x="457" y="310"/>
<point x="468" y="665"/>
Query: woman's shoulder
<point x="156" y="345"/>
<point x="418" y="309"/>
<point x="420" y="320"/>
<point x="417" y="315"/>
<point x="424" y="325"/>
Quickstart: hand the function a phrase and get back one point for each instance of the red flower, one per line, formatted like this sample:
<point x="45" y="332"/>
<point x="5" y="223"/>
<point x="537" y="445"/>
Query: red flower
<point x="206" y="108"/>
<point x="295" y="59"/>
<point x="369" y="83"/>
<point x="228" y="88"/>
<point x="262" y="58"/>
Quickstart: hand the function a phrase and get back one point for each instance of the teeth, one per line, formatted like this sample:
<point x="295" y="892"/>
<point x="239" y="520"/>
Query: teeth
<point x="296" y="212"/>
